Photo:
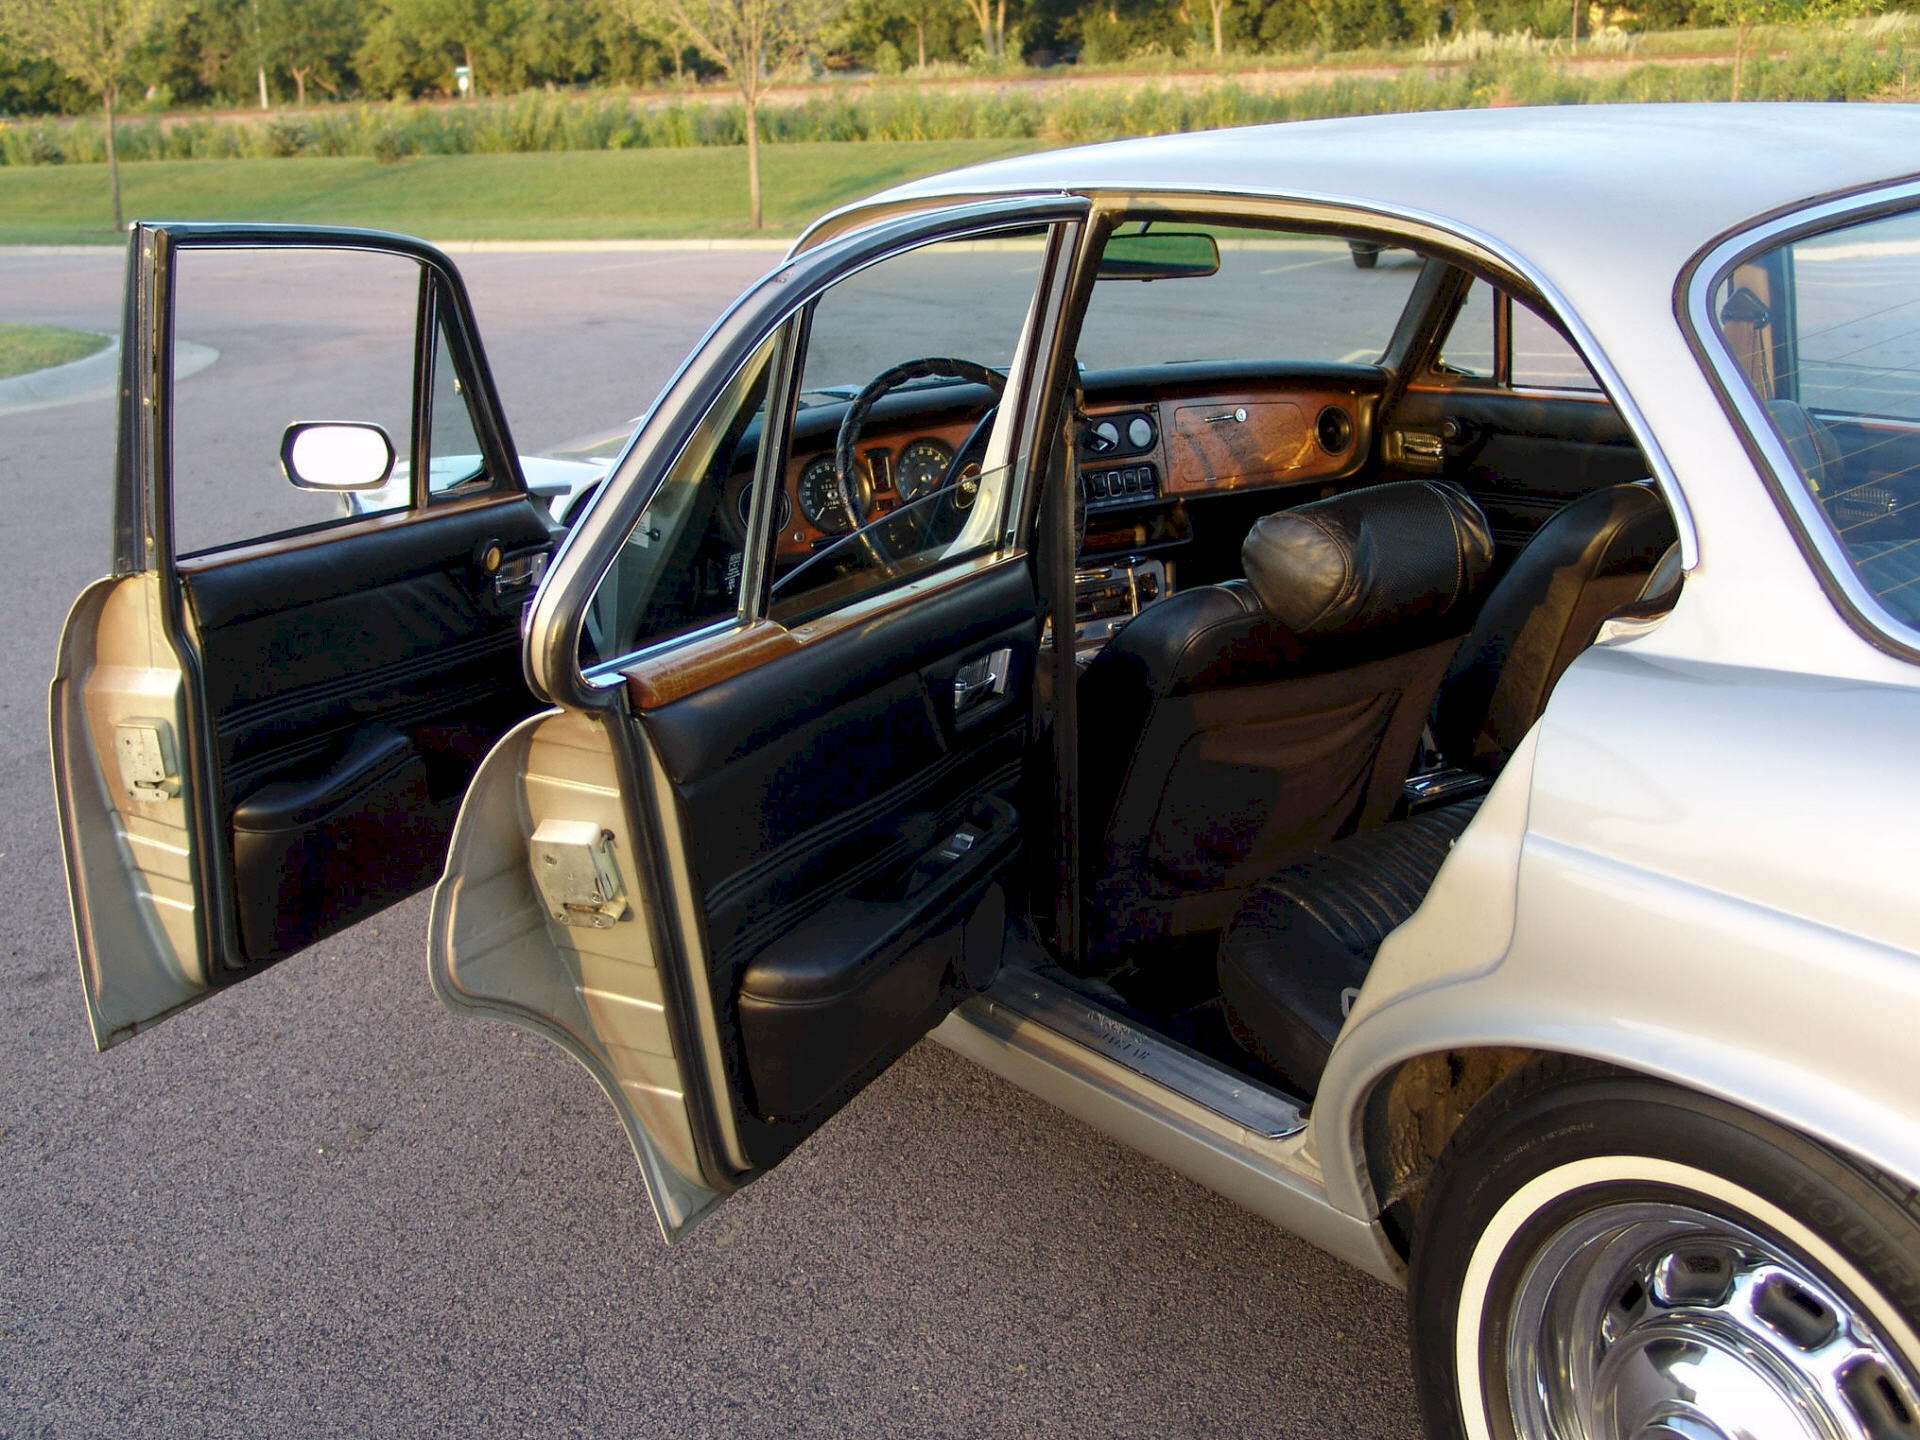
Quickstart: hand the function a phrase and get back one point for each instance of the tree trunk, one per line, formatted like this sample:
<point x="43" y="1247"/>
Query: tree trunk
<point x="261" y="71"/>
<point x="1000" y="28"/>
<point x="299" y="86"/>
<point x="753" y="162"/>
<point x="107" y="97"/>
<point x="1219" y="41"/>
<point x="1739" y="55"/>
<point x="1576" y="20"/>
<point x="920" y="30"/>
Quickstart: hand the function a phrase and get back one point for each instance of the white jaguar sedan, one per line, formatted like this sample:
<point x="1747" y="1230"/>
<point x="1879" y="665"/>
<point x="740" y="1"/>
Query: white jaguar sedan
<point x="1429" y="748"/>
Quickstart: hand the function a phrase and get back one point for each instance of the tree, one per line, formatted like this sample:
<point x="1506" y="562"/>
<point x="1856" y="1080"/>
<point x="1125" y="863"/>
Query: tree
<point x="311" y="40"/>
<point x="1743" y="15"/>
<point x="91" y="40"/>
<point x="992" y="18"/>
<point x="754" y="42"/>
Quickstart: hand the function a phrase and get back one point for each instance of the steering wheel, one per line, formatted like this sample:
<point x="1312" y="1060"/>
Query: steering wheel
<point x="855" y="419"/>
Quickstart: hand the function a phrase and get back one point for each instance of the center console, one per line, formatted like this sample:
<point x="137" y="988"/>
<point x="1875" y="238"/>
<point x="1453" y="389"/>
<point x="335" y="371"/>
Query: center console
<point x="1107" y="596"/>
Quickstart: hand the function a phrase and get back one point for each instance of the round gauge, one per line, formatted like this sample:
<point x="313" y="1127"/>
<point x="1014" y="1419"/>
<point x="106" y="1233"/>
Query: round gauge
<point x="782" y="508"/>
<point x="966" y="487"/>
<point x="1104" y="436"/>
<point x="919" y="469"/>
<point x="820" y="499"/>
<point x="1140" y="432"/>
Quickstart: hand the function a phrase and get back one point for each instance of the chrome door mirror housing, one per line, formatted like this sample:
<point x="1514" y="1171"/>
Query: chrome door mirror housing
<point x="336" y="456"/>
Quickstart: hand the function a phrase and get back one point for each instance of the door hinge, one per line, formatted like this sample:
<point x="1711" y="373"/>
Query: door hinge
<point x="147" y="766"/>
<point x="575" y="873"/>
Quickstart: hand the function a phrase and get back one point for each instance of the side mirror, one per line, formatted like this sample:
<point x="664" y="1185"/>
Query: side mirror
<point x="1159" y="255"/>
<point x="336" y="455"/>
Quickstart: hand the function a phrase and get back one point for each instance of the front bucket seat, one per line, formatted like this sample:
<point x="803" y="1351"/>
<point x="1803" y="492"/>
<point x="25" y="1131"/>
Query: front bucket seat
<point x="1233" y="727"/>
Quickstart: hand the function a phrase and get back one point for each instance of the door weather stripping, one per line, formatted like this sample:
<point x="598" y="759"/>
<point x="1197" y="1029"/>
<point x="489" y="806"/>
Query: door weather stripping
<point x="1253" y="1107"/>
<point x="575" y="872"/>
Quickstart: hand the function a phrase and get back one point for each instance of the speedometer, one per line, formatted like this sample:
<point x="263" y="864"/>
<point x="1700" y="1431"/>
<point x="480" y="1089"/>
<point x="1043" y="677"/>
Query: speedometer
<point x="920" y="468"/>
<point x="821" y="502"/>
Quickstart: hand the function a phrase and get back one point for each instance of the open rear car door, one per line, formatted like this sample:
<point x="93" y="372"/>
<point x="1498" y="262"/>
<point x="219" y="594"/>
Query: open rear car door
<point x="263" y="719"/>
<point x="768" y="833"/>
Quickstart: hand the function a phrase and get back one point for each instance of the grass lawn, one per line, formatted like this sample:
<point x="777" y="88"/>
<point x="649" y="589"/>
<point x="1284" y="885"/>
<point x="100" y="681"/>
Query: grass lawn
<point x="558" y="195"/>
<point x="35" y="347"/>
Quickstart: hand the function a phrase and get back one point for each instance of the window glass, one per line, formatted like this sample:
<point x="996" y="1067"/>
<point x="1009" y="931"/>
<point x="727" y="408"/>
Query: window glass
<point x="915" y="349"/>
<point x="265" y="338"/>
<point x="1827" y="333"/>
<point x="907" y="359"/>
<point x="1276" y="296"/>
<point x="681" y="564"/>
<point x="1542" y="357"/>
<point x="1468" y="349"/>
<point x="453" y="449"/>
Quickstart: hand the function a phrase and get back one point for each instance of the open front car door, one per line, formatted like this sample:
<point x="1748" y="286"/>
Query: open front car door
<point x="264" y="718"/>
<point x="768" y="836"/>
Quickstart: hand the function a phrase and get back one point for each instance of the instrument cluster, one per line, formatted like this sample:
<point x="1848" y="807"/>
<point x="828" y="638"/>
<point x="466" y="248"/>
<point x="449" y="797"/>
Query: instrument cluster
<point x="882" y="479"/>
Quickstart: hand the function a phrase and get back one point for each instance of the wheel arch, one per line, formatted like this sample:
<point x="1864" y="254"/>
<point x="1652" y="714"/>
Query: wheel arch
<point x="1434" y="1059"/>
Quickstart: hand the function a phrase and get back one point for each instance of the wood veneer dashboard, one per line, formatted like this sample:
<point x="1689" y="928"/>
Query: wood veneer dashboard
<point x="1244" y="438"/>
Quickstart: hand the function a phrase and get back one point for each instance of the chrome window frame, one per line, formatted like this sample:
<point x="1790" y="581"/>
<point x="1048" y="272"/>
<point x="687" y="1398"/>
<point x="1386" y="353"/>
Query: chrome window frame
<point x="1704" y="274"/>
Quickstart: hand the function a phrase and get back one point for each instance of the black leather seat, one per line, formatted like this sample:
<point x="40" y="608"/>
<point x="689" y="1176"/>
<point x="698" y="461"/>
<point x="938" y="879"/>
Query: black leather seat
<point x="1232" y="728"/>
<point x="1591" y="559"/>
<point x="1294" y="958"/>
<point x="1300" y="947"/>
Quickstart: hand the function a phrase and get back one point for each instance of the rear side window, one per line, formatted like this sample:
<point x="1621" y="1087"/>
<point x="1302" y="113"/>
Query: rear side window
<point x="1494" y="339"/>
<point x="1826" y="331"/>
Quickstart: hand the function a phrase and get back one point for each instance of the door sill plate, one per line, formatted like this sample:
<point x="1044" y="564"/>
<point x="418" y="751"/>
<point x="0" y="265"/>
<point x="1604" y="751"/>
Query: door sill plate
<point x="1244" y="1102"/>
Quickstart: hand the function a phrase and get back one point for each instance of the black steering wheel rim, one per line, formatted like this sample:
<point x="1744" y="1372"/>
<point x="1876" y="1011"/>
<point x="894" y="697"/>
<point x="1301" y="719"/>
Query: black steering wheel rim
<point x="854" y="421"/>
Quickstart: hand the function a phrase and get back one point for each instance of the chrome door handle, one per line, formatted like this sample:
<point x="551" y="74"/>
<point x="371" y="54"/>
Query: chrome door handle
<point x="981" y="680"/>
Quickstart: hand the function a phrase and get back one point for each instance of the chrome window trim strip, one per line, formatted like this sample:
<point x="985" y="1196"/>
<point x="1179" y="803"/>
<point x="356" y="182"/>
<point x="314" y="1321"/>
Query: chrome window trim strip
<point x="1704" y="275"/>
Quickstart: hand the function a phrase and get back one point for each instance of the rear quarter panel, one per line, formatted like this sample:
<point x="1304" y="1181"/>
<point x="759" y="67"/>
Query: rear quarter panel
<point x="1712" y="881"/>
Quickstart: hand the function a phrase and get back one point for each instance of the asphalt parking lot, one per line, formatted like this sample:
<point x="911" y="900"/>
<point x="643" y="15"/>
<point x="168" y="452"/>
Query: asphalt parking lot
<point x="319" y="1205"/>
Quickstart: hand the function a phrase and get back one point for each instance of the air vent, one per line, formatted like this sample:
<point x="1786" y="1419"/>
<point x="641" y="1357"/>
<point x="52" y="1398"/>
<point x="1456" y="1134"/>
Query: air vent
<point x="1334" y="427"/>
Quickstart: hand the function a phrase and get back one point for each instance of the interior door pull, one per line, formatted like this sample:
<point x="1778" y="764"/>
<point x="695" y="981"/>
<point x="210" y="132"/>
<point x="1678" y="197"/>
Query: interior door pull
<point x="981" y="680"/>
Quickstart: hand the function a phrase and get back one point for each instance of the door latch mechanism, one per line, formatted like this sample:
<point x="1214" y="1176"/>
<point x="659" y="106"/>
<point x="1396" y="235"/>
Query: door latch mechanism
<point x="575" y="873"/>
<point x="147" y="766"/>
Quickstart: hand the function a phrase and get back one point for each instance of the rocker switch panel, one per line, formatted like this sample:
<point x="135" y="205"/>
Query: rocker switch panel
<point x="147" y="768"/>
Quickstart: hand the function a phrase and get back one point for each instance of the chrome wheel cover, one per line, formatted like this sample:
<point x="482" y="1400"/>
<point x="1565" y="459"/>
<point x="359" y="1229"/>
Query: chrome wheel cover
<point x="1647" y="1320"/>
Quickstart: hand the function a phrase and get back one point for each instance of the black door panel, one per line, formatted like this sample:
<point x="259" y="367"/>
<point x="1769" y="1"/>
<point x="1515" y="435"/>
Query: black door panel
<point x="822" y="795"/>
<point x="352" y="686"/>
<point x="1521" y="456"/>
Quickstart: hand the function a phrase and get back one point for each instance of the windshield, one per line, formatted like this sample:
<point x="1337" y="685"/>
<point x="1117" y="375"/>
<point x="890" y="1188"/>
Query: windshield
<point x="1276" y="296"/>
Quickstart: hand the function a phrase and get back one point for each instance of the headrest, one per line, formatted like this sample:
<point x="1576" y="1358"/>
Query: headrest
<point x="1385" y="555"/>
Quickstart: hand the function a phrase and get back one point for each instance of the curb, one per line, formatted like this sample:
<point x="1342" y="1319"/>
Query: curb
<point x="97" y="377"/>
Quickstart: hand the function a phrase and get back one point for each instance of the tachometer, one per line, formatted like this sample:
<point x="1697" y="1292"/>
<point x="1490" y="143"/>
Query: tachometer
<point x="820" y="498"/>
<point x="920" y="468"/>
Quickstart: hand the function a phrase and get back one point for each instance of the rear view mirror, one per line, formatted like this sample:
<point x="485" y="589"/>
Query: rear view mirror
<point x="1159" y="255"/>
<point x="336" y="456"/>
